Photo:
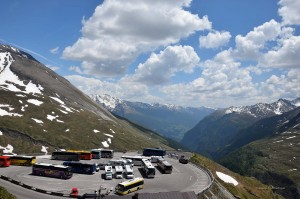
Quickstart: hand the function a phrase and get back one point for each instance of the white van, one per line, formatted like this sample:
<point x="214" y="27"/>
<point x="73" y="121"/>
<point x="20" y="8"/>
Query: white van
<point x="108" y="173"/>
<point x="129" y="172"/>
<point x="119" y="172"/>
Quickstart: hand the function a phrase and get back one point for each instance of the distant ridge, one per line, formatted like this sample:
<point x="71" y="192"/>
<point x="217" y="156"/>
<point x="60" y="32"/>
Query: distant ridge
<point x="168" y="120"/>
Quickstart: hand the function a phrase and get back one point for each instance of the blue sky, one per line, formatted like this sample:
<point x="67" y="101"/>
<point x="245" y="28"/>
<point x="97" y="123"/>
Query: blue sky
<point x="190" y="53"/>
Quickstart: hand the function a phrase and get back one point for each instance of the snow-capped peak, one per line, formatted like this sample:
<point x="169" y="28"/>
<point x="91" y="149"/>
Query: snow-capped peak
<point x="107" y="100"/>
<point x="262" y="110"/>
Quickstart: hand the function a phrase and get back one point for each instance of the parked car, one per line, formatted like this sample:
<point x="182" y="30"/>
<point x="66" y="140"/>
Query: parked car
<point x="183" y="160"/>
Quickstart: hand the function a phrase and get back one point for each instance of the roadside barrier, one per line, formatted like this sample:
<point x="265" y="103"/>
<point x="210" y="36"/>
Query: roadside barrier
<point x="36" y="189"/>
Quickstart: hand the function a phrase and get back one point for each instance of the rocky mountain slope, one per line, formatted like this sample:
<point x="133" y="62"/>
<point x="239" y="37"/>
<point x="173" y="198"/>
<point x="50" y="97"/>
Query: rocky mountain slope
<point x="40" y="108"/>
<point x="218" y="129"/>
<point x="168" y="120"/>
<point x="273" y="156"/>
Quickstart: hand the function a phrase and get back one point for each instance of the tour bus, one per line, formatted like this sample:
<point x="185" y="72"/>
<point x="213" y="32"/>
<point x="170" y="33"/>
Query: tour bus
<point x="83" y="168"/>
<point x="52" y="170"/>
<point x="108" y="173"/>
<point x="96" y="154"/>
<point x="21" y="160"/>
<point x="4" y="161"/>
<point x="154" y="152"/>
<point x="148" y="168"/>
<point x="83" y="155"/>
<point x="136" y="160"/>
<point x="107" y="153"/>
<point x="65" y="155"/>
<point x="129" y="172"/>
<point x="119" y="172"/>
<point x="130" y="186"/>
<point x="164" y="166"/>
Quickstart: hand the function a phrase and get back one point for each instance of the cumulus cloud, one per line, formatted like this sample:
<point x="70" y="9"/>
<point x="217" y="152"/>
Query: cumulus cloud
<point x="122" y="89"/>
<point x="248" y="47"/>
<point x="159" y="68"/>
<point x="214" y="39"/>
<point x="119" y="31"/>
<point x="287" y="56"/>
<point x="289" y="11"/>
<point x="221" y="78"/>
<point x="286" y="85"/>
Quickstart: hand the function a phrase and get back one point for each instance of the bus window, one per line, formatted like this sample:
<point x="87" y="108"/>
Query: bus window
<point x="84" y="168"/>
<point x="66" y="156"/>
<point x="22" y="160"/>
<point x="154" y="152"/>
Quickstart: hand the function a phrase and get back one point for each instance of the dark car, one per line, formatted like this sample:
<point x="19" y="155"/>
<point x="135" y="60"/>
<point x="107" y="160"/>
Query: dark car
<point x="183" y="160"/>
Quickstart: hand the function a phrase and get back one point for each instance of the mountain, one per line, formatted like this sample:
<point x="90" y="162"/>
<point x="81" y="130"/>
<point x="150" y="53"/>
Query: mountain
<point x="272" y="154"/>
<point x="218" y="129"/>
<point x="168" y="120"/>
<point x="40" y="108"/>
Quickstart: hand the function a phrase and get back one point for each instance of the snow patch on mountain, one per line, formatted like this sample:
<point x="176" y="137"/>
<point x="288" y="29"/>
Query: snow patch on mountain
<point x="5" y="110"/>
<point x="35" y="102"/>
<point x="10" y="81"/>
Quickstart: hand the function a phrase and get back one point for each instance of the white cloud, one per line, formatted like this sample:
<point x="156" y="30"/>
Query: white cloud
<point x="119" y="31"/>
<point x="214" y="39"/>
<point x="290" y="12"/>
<point x="159" y="68"/>
<point x="54" y="50"/>
<point x="248" y="47"/>
<point x="287" y="56"/>
<point x="278" y="86"/>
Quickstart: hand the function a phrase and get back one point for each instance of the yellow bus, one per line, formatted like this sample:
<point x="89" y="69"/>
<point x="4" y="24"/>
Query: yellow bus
<point x="129" y="186"/>
<point x="22" y="160"/>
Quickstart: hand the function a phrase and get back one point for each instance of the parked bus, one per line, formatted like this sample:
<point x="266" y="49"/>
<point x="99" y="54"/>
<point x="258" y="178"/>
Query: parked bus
<point x="118" y="162"/>
<point x="136" y="160"/>
<point x="108" y="173"/>
<point x="130" y="186"/>
<point x="119" y="172"/>
<point x="107" y="153"/>
<point x="22" y="160"/>
<point x="148" y="168"/>
<point x="4" y="161"/>
<point x="65" y="155"/>
<point x="129" y="172"/>
<point x="84" y="155"/>
<point x="154" y="152"/>
<point x="83" y="168"/>
<point x="96" y="154"/>
<point x="52" y="170"/>
<point x="164" y="166"/>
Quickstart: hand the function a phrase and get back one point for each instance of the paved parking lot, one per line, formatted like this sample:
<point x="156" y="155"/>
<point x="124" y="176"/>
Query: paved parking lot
<point x="184" y="177"/>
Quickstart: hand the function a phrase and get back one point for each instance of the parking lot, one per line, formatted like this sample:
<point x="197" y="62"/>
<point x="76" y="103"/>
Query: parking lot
<point x="184" y="177"/>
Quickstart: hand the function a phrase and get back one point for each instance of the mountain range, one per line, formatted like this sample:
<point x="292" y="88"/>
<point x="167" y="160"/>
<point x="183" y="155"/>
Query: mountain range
<point x="39" y="108"/>
<point x="216" y="131"/>
<point x="269" y="150"/>
<point x="168" y="120"/>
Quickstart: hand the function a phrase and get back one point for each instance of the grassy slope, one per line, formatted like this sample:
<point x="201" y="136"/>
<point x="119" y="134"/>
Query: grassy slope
<point x="248" y="187"/>
<point x="27" y="135"/>
<point x="272" y="162"/>
<point x="5" y="195"/>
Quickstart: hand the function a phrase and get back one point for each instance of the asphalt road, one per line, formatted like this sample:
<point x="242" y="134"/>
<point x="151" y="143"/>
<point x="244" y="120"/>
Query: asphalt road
<point x="184" y="177"/>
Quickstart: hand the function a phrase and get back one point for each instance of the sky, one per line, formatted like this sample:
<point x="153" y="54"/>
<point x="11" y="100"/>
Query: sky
<point x="189" y="53"/>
